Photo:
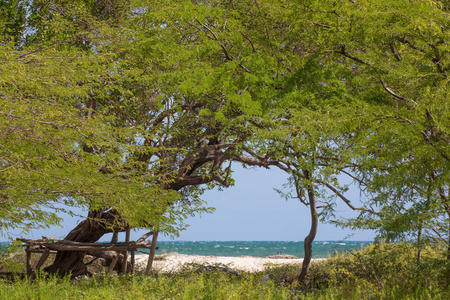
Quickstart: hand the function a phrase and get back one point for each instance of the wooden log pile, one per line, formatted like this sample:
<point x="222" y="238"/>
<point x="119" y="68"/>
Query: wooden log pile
<point x="112" y="251"/>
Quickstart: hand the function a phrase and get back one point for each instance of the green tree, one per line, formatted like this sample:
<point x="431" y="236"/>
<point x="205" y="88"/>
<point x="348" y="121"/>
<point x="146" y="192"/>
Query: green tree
<point x="165" y="95"/>
<point x="154" y="137"/>
<point x="356" y="89"/>
<point x="400" y="67"/>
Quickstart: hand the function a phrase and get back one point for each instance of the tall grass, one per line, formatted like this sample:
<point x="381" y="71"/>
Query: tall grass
<point x="213" y="285"/>
<point x="382" y="271"/>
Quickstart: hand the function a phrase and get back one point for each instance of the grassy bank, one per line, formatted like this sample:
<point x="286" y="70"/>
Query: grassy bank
<point x="382" y="271"/>
<point x="378" y="272"/>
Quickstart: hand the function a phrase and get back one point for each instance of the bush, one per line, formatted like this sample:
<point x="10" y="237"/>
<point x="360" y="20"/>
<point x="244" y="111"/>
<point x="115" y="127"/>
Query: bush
<point x="379" y="271"/>
<point x="283" y="275"/>
<point x="384" y="270"/>
<point x="10" y="258"/>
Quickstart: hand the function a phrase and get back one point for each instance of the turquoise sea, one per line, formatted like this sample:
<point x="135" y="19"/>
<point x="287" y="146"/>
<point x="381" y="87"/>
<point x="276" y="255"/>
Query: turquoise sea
<point x="258" y="248"/>
<point x="254" y="248"/>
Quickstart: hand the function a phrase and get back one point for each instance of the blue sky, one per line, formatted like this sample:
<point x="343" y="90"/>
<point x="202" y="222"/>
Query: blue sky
<point x="249" y="211"/>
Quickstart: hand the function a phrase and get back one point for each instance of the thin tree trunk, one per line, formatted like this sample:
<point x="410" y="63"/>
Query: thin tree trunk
<point x="152" y="253"/>
<point x="419" y="246"/>
<point x="448" y="242"/>
<point x="312" y="232"/>
<point x="115" y="237"/>
<point x="448" y="247"/>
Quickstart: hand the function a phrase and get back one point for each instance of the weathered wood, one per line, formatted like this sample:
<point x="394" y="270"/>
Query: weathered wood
<point x="127" y="235"/>
<point x="133" y="261"/>
<point x="28" y="262"/>
<point x="95" y="247"/>
<point x="45" y="247"/>
<point x="152" y="253"/>
<point x="125" y="262"/>
<point x="42" y="260"/>
<point x="89" y="244"/>
<point x="113" y="263"/>
<point x="125" y="254"/>
<point x="108" y="256"/>
<point x="84" y="248"/>
<point x="145" y="236"/>
<point x="146" y="253"/>
<point x="33" y="242"/>
<point x="42" y="250"/>
<point x="37" y="243"/>
<point x="115" y="237"/>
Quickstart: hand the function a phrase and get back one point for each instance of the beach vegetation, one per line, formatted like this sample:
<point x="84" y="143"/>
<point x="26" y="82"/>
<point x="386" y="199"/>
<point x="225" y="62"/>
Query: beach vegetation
<point x="131" y="109"/>
<point x="11" y="260"/>
<point x="379" y="271"/>
<point x="214" y="285"/>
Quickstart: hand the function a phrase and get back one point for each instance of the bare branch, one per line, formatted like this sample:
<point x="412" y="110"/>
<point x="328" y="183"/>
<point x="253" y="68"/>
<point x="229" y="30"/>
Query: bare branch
<point x="343" y="198"/>
<point x="405" y="41"/>
<point x="41" y="49"/>
<point x="248" y="39"/>
<point x="228" y="56"/>
<point x="261" y="163"/>
<point x="145" y="236"/>
<point x="428" y="139"/>
<point x="392" y="93"/>
<point x="348" y="55"/>
<point x="322" y="25"/>
<point x="440" y="237"/>
<point x="395" y="53"/>
<point x="223" y="181"/>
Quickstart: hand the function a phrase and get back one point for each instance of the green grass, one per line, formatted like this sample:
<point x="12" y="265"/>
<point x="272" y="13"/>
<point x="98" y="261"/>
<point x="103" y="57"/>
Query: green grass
<point x="381" y="271"/>
<point x="181" y="286"/>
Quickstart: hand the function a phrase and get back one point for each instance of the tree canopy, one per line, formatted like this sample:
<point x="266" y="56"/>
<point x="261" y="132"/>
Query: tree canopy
<point x="132" y="108"/>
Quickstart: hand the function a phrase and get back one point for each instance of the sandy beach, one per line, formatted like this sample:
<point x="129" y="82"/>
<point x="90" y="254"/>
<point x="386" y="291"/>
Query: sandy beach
<point x="174" y="262"/>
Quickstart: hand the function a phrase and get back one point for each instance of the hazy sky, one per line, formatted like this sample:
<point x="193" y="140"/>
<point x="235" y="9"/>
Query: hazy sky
<point x="251" y="211"/>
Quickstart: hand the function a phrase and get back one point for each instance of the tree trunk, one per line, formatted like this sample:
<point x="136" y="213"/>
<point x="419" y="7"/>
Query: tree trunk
<point x="108" y="257"/>
<point x="419" y="244"/>
<point x="312" y="232"/>
<point x="448" y="247"/>
<point x="89" y="230"/>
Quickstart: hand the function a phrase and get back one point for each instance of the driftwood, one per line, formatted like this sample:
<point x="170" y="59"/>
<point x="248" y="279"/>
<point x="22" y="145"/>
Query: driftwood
<point x="113" y="260"/>
<point x="152" y="253"/>
<point x="145" y="236"/>
<point x="115" y="255"/>
<point x="282" y="256"/>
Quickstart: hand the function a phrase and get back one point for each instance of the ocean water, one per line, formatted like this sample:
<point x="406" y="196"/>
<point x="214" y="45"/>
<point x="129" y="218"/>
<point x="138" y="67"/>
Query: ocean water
<point x="254" y="248"/>
<point x="258" y="248"/>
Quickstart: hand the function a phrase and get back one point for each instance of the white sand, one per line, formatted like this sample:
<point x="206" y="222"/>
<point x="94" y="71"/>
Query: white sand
<point x="173" y="262"/>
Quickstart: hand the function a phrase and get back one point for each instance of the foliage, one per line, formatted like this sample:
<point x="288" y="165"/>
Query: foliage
<point x="360" y="91"/>
<point x="211" y="286"/>
<point x="8" y="259"/>
<point x="379" y="271"/>
<point x="397" y="60"/>
<point x="135" y="106"/>
<point x="382" y="271"/>
<point x="80" y="113"/>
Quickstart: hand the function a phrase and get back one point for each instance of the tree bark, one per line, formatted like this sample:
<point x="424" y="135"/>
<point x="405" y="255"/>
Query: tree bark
<point x="313" y="230"/>
<point x="109" y="256"/>
<point x="89" y="230"/>
<point x="419" y="244"/>
<point x="448" y="246"/>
